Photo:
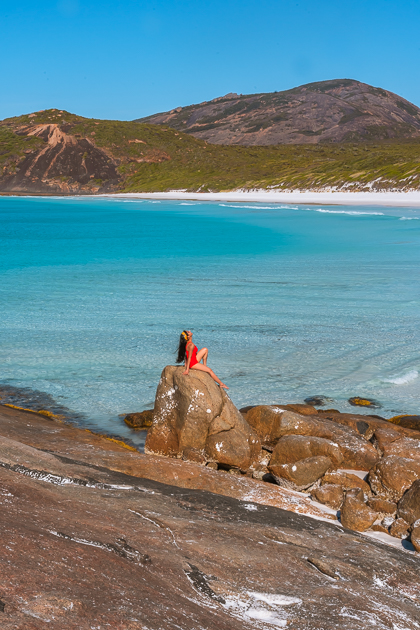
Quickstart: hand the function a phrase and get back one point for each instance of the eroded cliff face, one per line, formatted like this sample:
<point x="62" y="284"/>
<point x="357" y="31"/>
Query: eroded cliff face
<point x="342" y="110"/>
<point x="54" y="152"/>
<point x="65" y="164"/>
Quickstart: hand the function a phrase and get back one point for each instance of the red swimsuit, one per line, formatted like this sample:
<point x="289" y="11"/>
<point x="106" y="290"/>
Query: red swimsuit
<point x="193" y="356"/>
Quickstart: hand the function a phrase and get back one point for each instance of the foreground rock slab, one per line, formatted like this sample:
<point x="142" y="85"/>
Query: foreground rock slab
<point x="89" y="547"/>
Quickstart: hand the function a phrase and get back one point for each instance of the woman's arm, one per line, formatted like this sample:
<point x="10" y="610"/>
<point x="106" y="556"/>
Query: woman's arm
<point x="188" y="347"/>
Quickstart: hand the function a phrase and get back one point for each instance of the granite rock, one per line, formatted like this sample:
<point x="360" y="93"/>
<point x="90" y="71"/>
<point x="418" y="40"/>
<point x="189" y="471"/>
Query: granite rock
<point x="346" y="480"/>
<point x="415" y="537"/>
<point x="89" y="541"/>
<point x="408" y="422"/>
<point x="193" y="412"/>
<point x="382" y="506"/>
<point x="271" y="424"/>
<point x="356" y="515"/>
<point x="140" y="420"/>
<point x="299" y="475"/>
<point x="409" y="504"/>
<point x="329" y="494"/>
<point x="403" y="447"/>
<point x="399" y="528"/>
<point x="393" y="475"/>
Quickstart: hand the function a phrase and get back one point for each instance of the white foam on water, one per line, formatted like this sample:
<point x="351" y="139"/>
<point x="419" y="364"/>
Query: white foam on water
<point x="234" y="205"/>
<point x="409" y="218"/>
<point x="350" y="212"/>
<point x="404" y="379"/>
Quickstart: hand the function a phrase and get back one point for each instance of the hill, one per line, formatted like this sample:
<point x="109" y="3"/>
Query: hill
<point x="55" y="152"/>
<point x="342" y="110"/>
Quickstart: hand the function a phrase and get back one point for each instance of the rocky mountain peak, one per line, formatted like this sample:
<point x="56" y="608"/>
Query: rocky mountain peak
<point x="341" y="110"/>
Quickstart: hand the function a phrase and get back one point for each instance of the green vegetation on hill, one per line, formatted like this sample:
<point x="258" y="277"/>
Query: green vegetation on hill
<point x="217" y="168"/>
<point x="13" y="147"/>
<point x="150" y="158"/>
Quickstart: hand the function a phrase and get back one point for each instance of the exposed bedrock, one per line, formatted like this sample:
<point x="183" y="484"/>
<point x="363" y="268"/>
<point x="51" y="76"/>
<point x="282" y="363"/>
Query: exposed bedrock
<point x="66" y="164"/>
<point x="88" y="541"/>
<point x="195" y="419"/>
<point x="80" y="513"/>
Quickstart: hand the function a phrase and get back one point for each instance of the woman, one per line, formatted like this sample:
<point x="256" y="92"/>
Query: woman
<point x="188" y="353"/>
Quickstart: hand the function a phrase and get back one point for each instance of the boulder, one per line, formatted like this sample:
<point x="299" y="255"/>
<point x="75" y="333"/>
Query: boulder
<point x="356" y="493"/>
<point x="408" y="422"/>
<point x="403" y="447"/>
<point x="346" y="480"/>
<point x="259" y="469"/>
<point x="140" y="420"/>
<point x="358" y="401"/>
<point x="399" y="528"/>
<point x="393" y="475"/>
<point x="271" y="423"/>
<point x="415" y="537"/>
<point x="299" y="475"/>
<point x="292" y="448"/>
<point x="384" y="436"/>
<point x="409" y="505"/>
<point x="194" y="417"/>
<point x="267" y="422"/>
<point x="317" y="401"/>
<point x="356" y="515"/>
<point x="382" y="506"/>
<point x="194" y="455"/>
<point x="329" y="494"/>
<point x="378" y="527"/>
<point x="363" y="425"/>
<point x="303" y="409"/>
<point x="358" y="422"/>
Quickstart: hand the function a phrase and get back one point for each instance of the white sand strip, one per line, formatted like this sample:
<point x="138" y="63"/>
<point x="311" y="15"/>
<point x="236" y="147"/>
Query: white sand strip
<point x="386" y="198"/>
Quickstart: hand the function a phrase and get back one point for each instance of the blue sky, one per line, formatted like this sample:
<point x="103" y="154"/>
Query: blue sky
<point x="123" y="60"/>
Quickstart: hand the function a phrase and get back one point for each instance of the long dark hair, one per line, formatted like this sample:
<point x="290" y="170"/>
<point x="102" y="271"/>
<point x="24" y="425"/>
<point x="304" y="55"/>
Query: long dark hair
<point x="183" y="340"/>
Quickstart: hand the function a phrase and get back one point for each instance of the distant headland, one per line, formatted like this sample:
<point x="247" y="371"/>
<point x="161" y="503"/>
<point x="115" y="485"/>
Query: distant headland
<point x="339" y="135"/>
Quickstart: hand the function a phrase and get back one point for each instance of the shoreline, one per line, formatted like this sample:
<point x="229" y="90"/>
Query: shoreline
<point x="27" y="428"/>
<point x="386" y="198"/>
<point x="77" y="505"/>
<point x="409" y="199"/>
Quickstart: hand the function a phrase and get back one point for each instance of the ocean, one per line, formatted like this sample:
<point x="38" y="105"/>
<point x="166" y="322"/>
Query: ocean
<point x="292" y="301"/>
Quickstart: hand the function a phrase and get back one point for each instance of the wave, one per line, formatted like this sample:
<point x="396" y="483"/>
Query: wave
<point x="353" y="212"/>
<point x="404" y="379"/>
<point x="409" y="218"/>
<point x="234" y="205"/>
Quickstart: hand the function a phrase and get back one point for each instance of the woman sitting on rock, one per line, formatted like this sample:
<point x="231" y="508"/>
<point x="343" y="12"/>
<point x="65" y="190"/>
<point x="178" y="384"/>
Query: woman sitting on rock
<point x="187" y="353"/>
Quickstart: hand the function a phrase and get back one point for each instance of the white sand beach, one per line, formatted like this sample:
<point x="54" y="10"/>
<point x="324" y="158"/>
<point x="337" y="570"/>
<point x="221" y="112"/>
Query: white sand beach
<point x="386" y="198"/>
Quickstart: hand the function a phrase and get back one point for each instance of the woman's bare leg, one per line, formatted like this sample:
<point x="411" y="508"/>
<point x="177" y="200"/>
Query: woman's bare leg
<point x="204" y="368"/>
<point x="203" y="354"/>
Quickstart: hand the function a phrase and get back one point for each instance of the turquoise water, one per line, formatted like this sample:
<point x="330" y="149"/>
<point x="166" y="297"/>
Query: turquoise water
<point x="291" y="301"/>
